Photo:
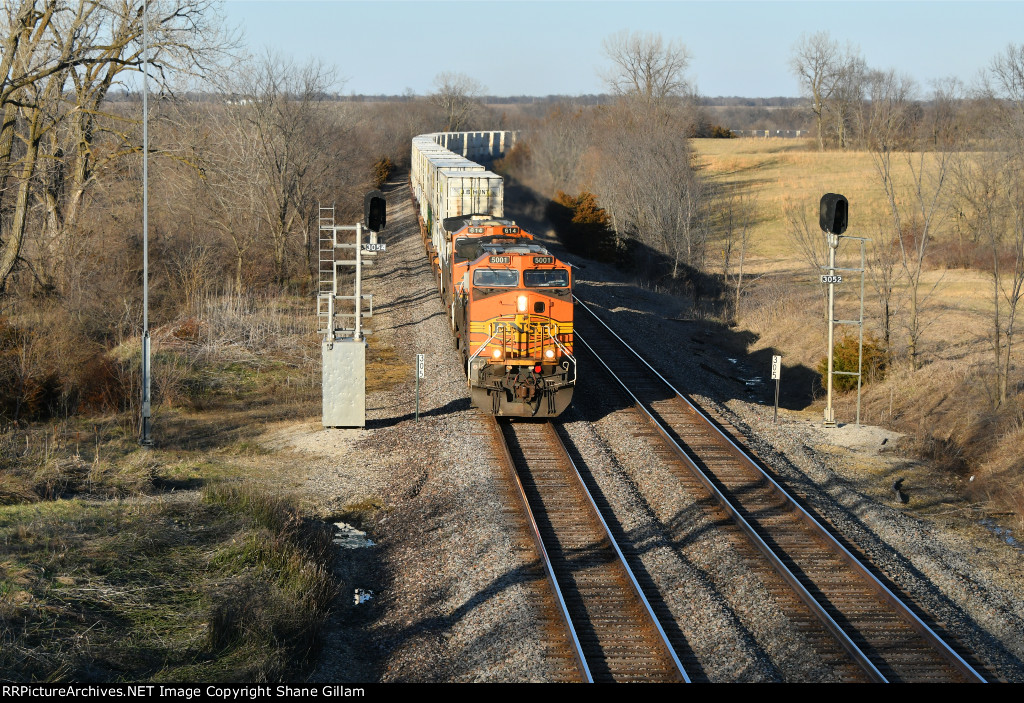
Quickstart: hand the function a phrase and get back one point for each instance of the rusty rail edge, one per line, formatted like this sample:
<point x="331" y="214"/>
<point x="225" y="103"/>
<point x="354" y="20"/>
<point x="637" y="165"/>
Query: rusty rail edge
<point x="622" y="557"/>
<point x="510" y="464"/>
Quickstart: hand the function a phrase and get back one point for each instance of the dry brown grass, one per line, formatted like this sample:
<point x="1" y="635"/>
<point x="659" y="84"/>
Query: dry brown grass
<point x="231" y="588"/>
<point x="90" y="522"/>
<point x="783" y="173"/>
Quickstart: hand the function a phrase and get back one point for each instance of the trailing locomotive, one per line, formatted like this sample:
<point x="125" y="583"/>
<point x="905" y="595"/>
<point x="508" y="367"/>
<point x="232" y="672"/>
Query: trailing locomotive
<point x="509" y="300"/>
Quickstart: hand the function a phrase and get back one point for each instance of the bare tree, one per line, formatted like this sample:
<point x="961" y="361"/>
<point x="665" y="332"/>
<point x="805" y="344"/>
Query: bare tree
<point x="29" y="94"/>
<point x="285" y="128"/>
<point x="848" y="95"/>
<point x="1012" y="285"/>
<point x="646" y="68"/>
<point x="24" y="61"/>
<point x="557" y="148"/>
<point x="231" y="187"/>
<point x="458" y="96"/>
<point x="65" y="55"/>
<point x="991" y="187"/>
<point x="737" y="227"/>
<point x="916" y="212"/>
<point x="809" y="241"/>
<point x="817" y="63"/>
<point x="185" y="39"/>
<point x="889" y="116"/>
<point x="885" y="273"/>
<point x="645" y="179"/>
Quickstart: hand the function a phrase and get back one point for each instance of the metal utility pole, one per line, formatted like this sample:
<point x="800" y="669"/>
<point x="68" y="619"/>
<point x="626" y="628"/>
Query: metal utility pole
<point x="833" y="244"/>
<point x="145" y="438"/>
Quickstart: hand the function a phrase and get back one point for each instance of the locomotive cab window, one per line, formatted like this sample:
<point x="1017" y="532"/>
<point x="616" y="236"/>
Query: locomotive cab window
<point x="491" y="278"/>
<point x="546" y="278"/>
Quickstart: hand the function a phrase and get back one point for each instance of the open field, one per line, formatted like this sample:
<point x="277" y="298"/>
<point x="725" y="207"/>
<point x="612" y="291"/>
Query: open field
<point x="782" y="173"/>
<point x="787" y="173"/>
<point x="947" y="405"/>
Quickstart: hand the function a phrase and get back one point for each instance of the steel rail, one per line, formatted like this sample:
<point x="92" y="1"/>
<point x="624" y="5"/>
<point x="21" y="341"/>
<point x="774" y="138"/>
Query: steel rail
<point x="622" y="557"/>
<point x="922" y="628"/>
<point x="596" y="512"/>
<point x="581" y="660"/>
<point x="777" y="563"/>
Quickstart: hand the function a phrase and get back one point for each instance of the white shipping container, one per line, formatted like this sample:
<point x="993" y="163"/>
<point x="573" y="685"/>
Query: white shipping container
<point x="466" y="193"/>
<point x="449" y="182"/>
<point x="450" y="162"/>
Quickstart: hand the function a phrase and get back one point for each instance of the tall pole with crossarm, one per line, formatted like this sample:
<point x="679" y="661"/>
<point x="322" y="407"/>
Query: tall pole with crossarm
<point x="146" y="438"/>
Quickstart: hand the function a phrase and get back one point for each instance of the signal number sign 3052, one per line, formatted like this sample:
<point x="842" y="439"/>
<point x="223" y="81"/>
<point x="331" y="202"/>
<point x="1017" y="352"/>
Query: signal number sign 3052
<point x="825" y="278"/>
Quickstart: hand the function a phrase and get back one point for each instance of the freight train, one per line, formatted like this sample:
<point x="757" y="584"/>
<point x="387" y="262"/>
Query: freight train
<point x="508" y="299"/>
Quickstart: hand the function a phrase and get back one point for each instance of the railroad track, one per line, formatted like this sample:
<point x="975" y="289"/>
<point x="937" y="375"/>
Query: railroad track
<point x="614" y="630"/>
<point x="871" y="623"/>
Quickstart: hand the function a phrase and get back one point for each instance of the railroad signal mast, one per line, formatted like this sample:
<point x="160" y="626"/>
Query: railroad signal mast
<point x="833" y="218"/>
<point x="343" y="348"/>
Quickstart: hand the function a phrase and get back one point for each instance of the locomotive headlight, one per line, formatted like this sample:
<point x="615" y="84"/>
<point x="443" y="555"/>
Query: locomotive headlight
<point x="496" y="353"/>
<point x="521" y="303"/>
<point x="549" y="353"/>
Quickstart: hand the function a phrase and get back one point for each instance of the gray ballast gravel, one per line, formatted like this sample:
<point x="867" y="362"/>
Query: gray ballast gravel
<point x="455" y="592"/>
<point x="456" y="595"/>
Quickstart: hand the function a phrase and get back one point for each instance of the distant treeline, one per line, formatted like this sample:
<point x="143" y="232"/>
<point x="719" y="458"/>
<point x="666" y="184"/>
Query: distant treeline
<point x="585" y="99"/>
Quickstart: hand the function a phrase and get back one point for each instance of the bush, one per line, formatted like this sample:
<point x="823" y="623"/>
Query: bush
<point x="844" y="358"/>
<point x="29" y="387"/>
<point x="48" y="370"/>
<point x="706" y="130"/>
<point x="515" y="161"/>
<point x="382" y="171"/>
<point x="584" y="227"/>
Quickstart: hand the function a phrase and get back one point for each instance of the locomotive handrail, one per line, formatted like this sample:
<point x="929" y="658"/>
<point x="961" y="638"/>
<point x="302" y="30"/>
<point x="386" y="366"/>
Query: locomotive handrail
<point x="565" y="351"/>
<point x="483" y="346"/>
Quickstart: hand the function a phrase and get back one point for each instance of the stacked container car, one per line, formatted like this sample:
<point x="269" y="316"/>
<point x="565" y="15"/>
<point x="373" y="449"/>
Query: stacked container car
<point x="509" y="299"/>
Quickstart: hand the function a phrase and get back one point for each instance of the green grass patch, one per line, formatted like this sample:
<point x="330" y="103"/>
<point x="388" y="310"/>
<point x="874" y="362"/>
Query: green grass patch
<point x="231" y="587"/>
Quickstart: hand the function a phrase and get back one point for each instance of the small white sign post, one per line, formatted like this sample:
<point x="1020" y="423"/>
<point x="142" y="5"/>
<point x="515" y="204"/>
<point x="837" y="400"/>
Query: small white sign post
<point x="419" y="375"/>
<point x="776" y="376"/>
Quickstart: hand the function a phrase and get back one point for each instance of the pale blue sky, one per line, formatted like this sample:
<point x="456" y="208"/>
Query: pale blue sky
<point x="521" y="47"/>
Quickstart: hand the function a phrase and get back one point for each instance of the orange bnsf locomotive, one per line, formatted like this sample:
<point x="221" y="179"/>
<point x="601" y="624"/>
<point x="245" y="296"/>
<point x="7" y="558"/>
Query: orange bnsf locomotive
<point x="509" y="300"/>
<point x="511" y="312"/>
